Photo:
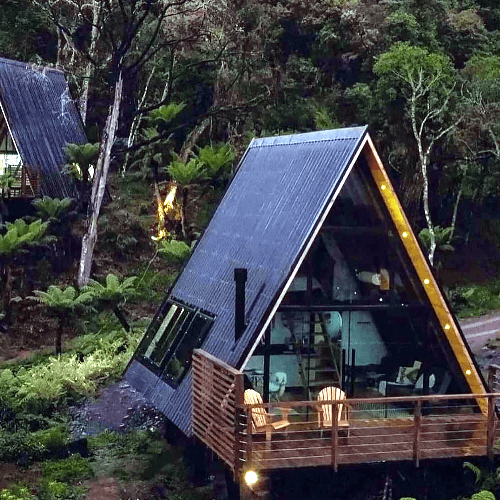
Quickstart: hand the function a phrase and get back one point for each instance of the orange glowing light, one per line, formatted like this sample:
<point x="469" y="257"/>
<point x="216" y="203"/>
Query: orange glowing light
<point x="167" y="210"/>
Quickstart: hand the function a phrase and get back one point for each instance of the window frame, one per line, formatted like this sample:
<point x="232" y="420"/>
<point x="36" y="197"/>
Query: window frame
<point x="181" y="322"/>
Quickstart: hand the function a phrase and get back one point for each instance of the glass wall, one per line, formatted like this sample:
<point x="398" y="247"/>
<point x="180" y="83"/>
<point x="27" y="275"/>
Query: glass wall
<point x="356" y="315"/>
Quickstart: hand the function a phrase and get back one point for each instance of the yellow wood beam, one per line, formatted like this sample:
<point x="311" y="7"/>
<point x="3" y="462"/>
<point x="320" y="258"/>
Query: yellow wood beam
<point x="445" y="318"/>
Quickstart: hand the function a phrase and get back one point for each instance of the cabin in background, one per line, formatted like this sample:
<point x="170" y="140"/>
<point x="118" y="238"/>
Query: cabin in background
<point x="37" y="119"/>
<point x="307" y="329"/>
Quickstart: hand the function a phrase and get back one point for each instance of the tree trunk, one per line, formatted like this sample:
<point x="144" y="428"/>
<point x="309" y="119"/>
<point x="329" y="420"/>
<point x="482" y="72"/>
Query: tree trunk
<point x="184" y="195"/>
<point x="90" y="66"/>
<point x="136" y="122"/>
<point x="457" y="201"/>
<point x="6" y="292"/>
<point x="121" y="318"/>
<point x="99" y="185"/>
<point x="59" y="337"/>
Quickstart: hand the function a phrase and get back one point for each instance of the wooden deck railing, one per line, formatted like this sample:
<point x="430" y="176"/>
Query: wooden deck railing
<point x="379" y="429"/>
<point x="217" y="387"/>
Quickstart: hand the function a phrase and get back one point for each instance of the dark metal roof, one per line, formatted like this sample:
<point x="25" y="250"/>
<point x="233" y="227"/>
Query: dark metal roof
<point x="42" y="118"/>
<point x="264" y="223"/>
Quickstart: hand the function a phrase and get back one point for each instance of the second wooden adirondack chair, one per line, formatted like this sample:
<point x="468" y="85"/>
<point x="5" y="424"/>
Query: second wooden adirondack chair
<point x="325" y="410"/>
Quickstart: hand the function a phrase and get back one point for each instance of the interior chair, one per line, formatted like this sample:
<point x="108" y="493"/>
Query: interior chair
<point x="325" y="410"/>
<point x="277" y="385"/>
<point x="262" y="421"/>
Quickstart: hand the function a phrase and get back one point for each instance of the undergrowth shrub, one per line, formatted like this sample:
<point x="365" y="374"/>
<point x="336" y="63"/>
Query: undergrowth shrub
<point x="96" y="359"/>
<point x="56" y="490"/>
<point x="476" y="300"/>
<point x="74" y="468"/>
<point x="16" y="493"/>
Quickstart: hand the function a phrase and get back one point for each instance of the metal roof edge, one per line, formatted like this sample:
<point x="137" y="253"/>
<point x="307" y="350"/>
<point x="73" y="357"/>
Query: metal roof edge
<point x="35" y="67"/>
<point x="311" y="137"/>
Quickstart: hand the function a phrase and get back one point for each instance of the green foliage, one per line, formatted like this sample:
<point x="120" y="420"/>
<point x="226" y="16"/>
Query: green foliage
<point x="57" y="490"/>
<point x="111" y="294"/>
<point x="442" y="235"/>
<point x="7" y="179"/>
<point x="476" y="470"/>
<point x="323" y="120"/>
<point x="51" y="208"/>
<point x="174" y="251"/>
<point x="217" y="160"/>
<point x="81" y="158"/>
<point x="415" y="66"/>
<point x="476" y="300"/>
<point x="73" y="468"/>
<point x="20" y="234"/>
<point x="44" y="385"/>
<point x="483" y="495"/>
<point x="188" y="173"/>
<point x="166" y="113"/>
<point x="16" y="493"/>
<point x="61" y="300"/>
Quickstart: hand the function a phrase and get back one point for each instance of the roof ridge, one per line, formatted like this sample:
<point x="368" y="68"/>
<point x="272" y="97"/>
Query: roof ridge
<point x="33" y="66"/>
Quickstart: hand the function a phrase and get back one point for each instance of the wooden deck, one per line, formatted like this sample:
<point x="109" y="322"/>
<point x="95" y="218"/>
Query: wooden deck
<point x="379" y="429"/>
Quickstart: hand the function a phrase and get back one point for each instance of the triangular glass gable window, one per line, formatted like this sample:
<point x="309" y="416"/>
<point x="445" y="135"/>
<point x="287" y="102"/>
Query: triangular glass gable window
<point x="372" y="330"/>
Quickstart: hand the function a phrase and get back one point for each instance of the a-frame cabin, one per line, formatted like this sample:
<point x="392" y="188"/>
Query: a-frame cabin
<point x="37" y="119"/>
<point x="336" y="299"/>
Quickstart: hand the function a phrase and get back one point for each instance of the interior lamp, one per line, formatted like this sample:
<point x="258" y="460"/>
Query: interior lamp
<point x="251" y="477"/>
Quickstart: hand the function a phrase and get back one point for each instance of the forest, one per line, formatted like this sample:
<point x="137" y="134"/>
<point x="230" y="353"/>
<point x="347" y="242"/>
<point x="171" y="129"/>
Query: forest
<point x="170" y="94"/>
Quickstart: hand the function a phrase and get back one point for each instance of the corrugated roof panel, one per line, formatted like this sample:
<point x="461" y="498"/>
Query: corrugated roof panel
<point x="264" y="222"/>
<point x="43" y="119"/>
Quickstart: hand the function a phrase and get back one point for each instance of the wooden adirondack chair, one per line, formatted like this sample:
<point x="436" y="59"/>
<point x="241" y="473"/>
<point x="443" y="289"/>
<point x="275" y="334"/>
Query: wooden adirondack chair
<point x="262" y="421"/>
<point x="325" y="411"/>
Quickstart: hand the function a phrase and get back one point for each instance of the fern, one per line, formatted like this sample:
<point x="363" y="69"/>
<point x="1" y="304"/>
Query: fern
<point x="51" y="208"/>
<point x="217" y="160"/>
<point x="174" y="251"/>
<point x="165" y="114"/>
<point x="187" y="173"/>
<point x="476" y="470"/>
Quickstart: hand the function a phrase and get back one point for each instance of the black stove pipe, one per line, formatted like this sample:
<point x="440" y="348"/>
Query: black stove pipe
<point x="240" y="277"/>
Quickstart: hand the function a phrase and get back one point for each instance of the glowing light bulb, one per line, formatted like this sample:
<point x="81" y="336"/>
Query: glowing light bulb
<point x="251" y="477"/>
<point x="383" y="186"/>
<point x="426" y="281"/>
<point x="405" y="234"/>
<point x="447" y="326"/>
<point x="468" y="372"/>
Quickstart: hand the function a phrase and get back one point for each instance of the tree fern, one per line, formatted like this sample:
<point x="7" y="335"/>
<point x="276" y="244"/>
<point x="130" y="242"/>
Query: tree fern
<point x="165" y="114"/>
<point x="51" y="208"/>
<point x="217" y="159"/>
<point x="188" y="173"/>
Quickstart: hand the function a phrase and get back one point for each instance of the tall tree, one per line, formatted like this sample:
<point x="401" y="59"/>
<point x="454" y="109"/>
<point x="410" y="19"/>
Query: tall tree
<point x="427" y="83"/>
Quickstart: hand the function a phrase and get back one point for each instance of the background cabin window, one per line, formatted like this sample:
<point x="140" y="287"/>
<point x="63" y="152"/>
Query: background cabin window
<point x="169" y="342"/>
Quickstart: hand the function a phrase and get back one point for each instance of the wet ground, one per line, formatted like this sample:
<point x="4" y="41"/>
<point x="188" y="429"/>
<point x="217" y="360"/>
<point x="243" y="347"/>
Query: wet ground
<point x="118" y="407"/>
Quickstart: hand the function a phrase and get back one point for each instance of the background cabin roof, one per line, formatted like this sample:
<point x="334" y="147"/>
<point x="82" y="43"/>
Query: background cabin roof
<point x="266" y="218"/>
<point x="42" y="118"/>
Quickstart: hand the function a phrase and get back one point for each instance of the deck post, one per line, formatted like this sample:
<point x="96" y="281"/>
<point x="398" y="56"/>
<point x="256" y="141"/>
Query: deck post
<point x="417" y="418"/>
<point x="248" y="412"/>
<point x="238" y="421"/>
<point x="335" y="434"/>
<point x="490" y="437"/>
